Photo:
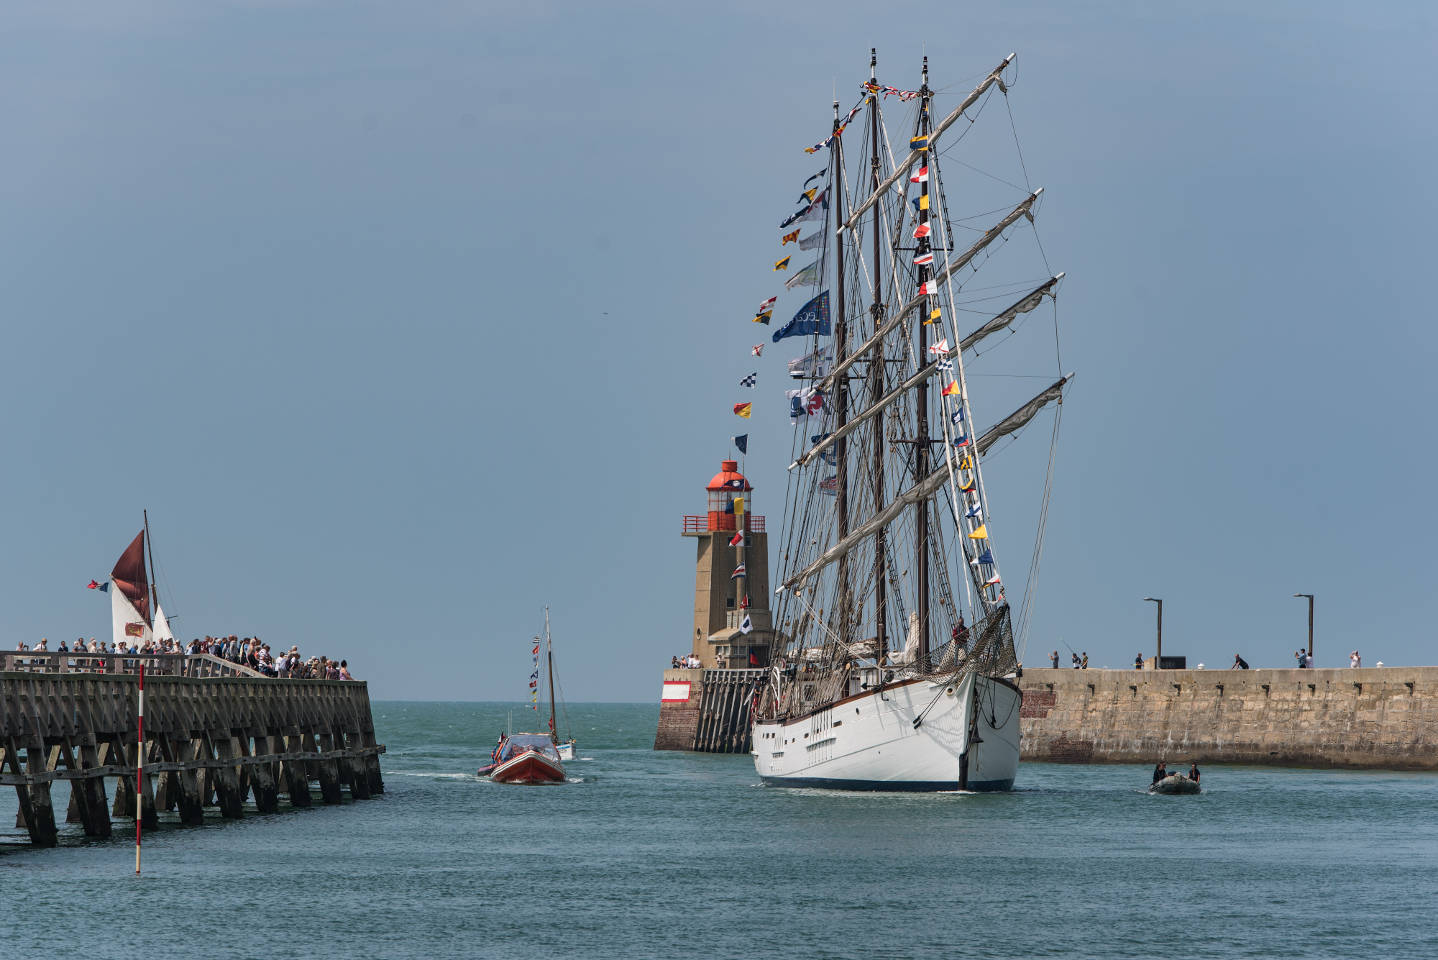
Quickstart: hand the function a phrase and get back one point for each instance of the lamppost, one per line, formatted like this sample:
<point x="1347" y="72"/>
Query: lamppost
<point x="1310" y="625"/>
<point x="1158" y="654"/>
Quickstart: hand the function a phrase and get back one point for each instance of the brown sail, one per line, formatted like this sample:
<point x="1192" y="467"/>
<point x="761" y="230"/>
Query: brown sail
<point x="129" y="576"/>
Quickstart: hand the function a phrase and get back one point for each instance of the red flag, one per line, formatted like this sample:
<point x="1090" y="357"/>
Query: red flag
<point x="922" y="230"/>
<point x="94" y="585"/>
<point x="738" y="539"/>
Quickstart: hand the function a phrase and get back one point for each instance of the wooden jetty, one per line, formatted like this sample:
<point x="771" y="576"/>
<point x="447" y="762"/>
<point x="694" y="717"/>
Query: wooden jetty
<point x="215" y="733"/>
<point x="706" y="710"/>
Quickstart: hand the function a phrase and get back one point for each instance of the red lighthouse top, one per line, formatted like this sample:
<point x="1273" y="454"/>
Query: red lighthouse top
<point x="729" y="478"/>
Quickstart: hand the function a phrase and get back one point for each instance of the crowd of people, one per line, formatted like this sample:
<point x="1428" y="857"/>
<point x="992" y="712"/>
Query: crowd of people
<point x="1304" y="658"/>
<point x="680" y="662"/>
<point x="249" y="652"/>
<point x="1079" y="663"/>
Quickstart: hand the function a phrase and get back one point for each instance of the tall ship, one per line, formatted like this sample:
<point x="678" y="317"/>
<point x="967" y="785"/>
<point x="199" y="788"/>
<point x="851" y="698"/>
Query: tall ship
<point x="894" y="665"/>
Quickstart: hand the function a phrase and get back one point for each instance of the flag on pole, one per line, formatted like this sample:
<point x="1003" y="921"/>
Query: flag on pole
<point x="744" y="604"/>
<point x="952" y="390"/>
<point x="102" y="587"/>
<point x="966" y="463"/>
<point x="782" y="264"/>
<point x="929" y="287"/>
<point x="743" y="409"/>
<point x="981" y="533"/>
<point x="941" y="347"/>
<point x="969" y="487"/>
<point x="757" y="349"/>
<point x="810" y="242"/>
<point x="945" y="364"/>
<point x="737" y="540"/>
<point x="935" y="316"/>
<point x="809" y="275"/>
<point x="738" y="504"/>
<point x="924" y="260"/>
<point x="957" y="416"/>
<point x="922" y="176"/>
<point x="921" y="142"/>
<point x="767" y="305"/>
<point x="975" y="511"/>
<point x="750" y="380"/>
<point x="738" y="572"/>
<point x="746" y="625"/>
<point x="821" y="174"/>
<point x="985" y="557"/>
<point x="960" y="442"/>
<point x="764" y="317"/>
<point x="789" y="237"/>
<point x="923" y="230"/>
<point x="813" y="317"/>
<point x="924" y="202"/>
<point x="992" y="581"/>
<point x="807" y="196"/>
<point x="742" y="442"/>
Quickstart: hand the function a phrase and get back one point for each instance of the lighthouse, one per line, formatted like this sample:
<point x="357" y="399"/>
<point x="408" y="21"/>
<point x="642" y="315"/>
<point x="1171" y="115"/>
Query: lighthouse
<point x="733" y="628"/>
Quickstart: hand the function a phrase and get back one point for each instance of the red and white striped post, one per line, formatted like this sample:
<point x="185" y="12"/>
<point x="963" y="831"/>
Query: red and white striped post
<point x="139" y="768"/>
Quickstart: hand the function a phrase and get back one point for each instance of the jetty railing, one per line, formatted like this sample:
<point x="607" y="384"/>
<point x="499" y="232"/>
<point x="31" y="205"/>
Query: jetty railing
<point x="197" y="665"/>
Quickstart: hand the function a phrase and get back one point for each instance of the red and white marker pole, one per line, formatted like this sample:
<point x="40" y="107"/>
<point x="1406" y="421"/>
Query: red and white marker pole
<point x="139" y="768"/>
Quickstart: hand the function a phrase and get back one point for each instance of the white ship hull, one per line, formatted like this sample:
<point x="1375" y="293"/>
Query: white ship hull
<point x="870" y="741"/>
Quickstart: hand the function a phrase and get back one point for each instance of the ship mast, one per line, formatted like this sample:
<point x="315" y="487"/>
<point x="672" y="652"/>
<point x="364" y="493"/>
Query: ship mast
<point x="876" y="374"/>
<point x="921" y="397"/>
<point x="154" y="593"/>
<point x="841" y="386"/>
<point x="549" y="654"/>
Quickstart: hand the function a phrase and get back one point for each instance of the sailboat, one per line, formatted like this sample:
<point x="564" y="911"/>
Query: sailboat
<point x="898" y="667"/>
<point x="134" y="596"/>
<point x="533" y="757"/>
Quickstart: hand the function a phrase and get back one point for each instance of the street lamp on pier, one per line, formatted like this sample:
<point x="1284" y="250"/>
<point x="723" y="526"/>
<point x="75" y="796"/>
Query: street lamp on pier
<point x="1310" y="624"/>
<point x="1158" y="654"/>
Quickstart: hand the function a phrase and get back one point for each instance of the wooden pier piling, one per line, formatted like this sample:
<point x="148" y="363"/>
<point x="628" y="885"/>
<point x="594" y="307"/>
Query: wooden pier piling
<point x="215" y="734"/>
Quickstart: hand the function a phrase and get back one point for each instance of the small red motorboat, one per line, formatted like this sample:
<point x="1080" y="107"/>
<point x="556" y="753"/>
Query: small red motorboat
<point x="525" y="758"/>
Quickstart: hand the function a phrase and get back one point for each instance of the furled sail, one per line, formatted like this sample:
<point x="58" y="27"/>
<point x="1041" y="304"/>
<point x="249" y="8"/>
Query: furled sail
<point x="1028" y="302"/>
<point x="1020" y="417"/>
<point x="914" y="155"/>
<point x="926" y="487"/>
<point x="1023" y="209"/>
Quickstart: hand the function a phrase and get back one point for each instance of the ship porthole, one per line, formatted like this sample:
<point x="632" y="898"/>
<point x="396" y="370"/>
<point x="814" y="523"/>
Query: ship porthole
<point x="950" y="691"/>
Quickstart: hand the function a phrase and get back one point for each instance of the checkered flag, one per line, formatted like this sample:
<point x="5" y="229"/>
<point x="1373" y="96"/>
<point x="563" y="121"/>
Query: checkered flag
<point x="750" y="380"/>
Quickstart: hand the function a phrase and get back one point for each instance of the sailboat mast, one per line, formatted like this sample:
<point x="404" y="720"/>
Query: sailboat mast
<point x="549" y="655"/>
<point x="876" y="373"/>
<point x="154" y="593"/>
<point x="841" y="386"/>
<point x="921" y="397"/>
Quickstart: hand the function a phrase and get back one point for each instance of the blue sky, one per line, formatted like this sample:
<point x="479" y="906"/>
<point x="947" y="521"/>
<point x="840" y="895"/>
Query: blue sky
<point x="404" y="321"/>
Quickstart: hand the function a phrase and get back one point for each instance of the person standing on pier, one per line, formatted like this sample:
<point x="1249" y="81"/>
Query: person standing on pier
<point x="1138" y="661"/>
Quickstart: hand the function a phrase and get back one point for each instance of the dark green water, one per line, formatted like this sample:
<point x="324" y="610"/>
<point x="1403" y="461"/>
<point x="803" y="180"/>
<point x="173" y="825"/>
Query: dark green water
<point x="675" y="855"/>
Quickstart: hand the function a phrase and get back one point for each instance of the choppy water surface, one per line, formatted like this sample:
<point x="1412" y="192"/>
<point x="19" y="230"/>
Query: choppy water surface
<point x="652" y="854"/>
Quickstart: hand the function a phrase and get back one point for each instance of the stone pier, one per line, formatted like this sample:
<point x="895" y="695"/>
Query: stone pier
<point x="1372" y="717"/>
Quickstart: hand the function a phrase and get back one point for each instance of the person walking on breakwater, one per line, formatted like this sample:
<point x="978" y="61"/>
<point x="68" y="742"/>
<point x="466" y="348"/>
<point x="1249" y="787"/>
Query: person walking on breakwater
<point x="1159" y="772"/>
<point x="1239" y="663"/>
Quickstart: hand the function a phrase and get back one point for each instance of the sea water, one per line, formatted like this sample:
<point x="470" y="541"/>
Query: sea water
<point x="647" y="854"/>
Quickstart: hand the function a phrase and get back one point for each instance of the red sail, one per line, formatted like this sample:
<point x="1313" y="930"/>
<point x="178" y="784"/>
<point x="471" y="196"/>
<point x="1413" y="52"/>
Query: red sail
<point x="129" y="575"/>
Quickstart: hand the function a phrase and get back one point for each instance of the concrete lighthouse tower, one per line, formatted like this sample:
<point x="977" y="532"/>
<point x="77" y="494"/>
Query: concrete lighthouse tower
<point x="706" y="708"/>
<point x="733" y="628"/>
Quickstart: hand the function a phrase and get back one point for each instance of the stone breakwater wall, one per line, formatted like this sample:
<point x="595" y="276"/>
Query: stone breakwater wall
<point x="1379" y="717"/>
